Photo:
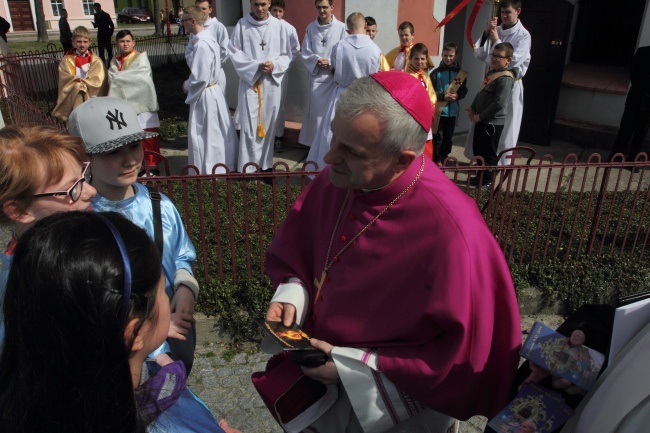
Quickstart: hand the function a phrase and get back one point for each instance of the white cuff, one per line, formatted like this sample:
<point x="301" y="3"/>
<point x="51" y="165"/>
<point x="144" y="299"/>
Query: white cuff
<point x="184" y="277"/>
<point x="376" y="401"/>
<point x="293" y="292"/>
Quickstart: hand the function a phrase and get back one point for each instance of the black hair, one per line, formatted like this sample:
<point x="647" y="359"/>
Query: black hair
<point x="123" y="33"/>
<point x="65" y="364"/>
<point x="370" y="21"/>
<point x="278" y="3"/>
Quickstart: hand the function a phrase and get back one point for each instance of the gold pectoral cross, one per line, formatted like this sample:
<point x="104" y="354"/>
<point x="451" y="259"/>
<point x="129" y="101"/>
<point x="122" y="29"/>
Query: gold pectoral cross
<point x="319" y="284"/>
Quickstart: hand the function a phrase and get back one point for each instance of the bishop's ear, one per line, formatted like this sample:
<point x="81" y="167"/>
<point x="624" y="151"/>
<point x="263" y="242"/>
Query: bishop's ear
<point x="404" y="160"/>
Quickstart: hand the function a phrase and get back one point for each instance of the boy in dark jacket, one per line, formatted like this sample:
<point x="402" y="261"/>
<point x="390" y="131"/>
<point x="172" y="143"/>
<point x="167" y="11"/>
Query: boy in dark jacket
<point x="488" y="111"/>
<point x="449" y="83"/>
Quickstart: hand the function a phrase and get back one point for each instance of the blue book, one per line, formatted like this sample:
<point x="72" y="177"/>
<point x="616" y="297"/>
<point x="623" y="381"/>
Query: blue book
<point x="565" y="357"/>
<point x="534" y="409"/>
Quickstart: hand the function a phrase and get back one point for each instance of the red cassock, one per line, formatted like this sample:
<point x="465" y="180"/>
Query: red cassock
<point x="426" y="284"/>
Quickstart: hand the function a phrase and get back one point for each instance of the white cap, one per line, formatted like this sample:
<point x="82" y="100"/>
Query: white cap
<point x="105" y="124"/>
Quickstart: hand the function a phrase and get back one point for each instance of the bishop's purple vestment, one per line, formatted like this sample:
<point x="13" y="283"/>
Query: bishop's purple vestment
<point x="427" y="285"/>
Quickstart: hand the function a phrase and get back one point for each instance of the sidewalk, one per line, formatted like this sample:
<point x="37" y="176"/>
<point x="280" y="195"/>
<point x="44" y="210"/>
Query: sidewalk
<point x="53" y="34"/>
<point x="224" y="383"/>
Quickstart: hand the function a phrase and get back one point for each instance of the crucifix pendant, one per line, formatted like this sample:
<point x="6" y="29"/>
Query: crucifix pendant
<point x="262" y="44"/>
<point x="324" y="41"/>
<point x="319" y="284"/>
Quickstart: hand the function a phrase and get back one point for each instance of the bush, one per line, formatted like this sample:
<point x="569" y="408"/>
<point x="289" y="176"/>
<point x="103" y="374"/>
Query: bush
<point x="235" y="238"/>
<point x="586" y="280"/>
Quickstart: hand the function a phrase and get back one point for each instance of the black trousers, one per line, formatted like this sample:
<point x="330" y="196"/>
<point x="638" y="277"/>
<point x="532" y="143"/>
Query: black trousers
<point x="442" y="139"/>
<point x="632" y="132"/>
<point x="105" y="50"/>
<point x="486" y="143"/>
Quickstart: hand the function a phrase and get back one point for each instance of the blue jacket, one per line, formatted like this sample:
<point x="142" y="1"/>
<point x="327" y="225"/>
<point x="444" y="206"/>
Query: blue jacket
<point x="441" y="78"/>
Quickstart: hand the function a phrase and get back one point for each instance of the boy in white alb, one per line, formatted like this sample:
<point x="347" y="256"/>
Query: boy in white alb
<point x="220" y="34"/>
<point x="320" y="37"/>
<point x="354" y="57"/>
<point x="260" y="51"/>
<point x="212" y="138"/>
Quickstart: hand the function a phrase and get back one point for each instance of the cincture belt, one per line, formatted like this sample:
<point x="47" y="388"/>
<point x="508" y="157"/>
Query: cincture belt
<point x="211" y="85"/>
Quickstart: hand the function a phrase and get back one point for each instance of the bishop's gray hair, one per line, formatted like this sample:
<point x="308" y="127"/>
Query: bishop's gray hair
<point x="401" y="131"/>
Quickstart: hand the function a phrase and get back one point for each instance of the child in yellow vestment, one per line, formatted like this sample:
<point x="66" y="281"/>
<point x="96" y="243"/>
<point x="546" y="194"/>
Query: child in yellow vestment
<point x="418" y="64"/>
<point x="81" y="75"/>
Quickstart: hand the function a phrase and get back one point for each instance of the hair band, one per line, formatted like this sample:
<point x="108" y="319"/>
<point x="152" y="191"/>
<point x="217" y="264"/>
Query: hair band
<point x="125" y="260"/>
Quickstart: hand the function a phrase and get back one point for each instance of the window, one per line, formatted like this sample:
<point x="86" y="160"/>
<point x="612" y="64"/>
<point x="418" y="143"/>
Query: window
<point x="57" y="5"/>
<point x="88" y="7"/>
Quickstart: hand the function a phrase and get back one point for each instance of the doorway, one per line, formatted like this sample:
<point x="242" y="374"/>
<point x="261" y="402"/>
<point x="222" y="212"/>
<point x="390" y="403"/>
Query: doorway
<point x="21" y="15"/>
<point x="549" y="23"/>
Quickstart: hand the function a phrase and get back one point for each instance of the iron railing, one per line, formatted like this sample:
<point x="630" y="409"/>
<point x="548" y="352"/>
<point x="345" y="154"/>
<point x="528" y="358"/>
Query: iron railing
<point x="35" y="77"/>
<point x="537" y="211"/>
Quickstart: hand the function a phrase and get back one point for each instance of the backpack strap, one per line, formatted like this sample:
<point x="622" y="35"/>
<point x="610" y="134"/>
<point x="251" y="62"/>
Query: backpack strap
<point x="155" y="197"/>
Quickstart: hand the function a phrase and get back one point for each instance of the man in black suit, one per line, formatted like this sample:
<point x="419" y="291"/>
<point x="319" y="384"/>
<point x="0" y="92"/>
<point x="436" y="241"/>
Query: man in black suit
<point x="636" y="116"/>
<point x="104" y="25"/>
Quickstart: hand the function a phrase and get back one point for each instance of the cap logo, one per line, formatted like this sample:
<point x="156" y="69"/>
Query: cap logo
<point x="117" y="117"/>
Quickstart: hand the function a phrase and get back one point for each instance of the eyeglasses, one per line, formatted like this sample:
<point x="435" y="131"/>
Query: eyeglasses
<point x="74" y="192"/>
<point x="494" y="56"/>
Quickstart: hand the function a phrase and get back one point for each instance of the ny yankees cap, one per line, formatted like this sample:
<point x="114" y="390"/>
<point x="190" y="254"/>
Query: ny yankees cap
<point x="105" y="124"/>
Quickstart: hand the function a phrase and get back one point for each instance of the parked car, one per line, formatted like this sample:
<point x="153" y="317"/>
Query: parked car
<point x="133" y="15"/>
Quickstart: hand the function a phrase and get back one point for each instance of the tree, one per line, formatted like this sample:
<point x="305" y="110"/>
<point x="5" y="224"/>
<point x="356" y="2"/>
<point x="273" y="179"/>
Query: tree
<point x="41" y="25"/>
<point x="156" y="16"/>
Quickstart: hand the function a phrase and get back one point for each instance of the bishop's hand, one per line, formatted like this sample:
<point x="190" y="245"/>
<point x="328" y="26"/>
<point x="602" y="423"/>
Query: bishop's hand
<point x="281" y="312"/>
<point x="326" y="373"/>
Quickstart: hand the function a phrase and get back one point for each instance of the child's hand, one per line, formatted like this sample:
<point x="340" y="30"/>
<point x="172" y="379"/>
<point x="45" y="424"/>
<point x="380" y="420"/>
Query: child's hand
<point x="225" y="427"/>
<point x="180" y="324"/>
<point x="183" y="300"/>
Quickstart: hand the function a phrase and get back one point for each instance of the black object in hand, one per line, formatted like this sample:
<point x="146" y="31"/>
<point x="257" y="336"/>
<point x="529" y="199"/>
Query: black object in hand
<point x="309" y="358"/>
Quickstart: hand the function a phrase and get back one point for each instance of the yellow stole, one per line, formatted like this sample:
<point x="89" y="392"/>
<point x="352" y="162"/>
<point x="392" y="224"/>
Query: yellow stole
<point x="453" y="88"/>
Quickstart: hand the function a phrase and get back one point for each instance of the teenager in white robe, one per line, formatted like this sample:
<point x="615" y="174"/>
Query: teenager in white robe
<point x="212" y="138"/>
<point x="354" y="57"/>
<point x="277" y="10"/>
<point x="261" y="53"/>
<point x="512" y="31"/>
<point x="320" y="37"/>
<point x="220" y="34"/>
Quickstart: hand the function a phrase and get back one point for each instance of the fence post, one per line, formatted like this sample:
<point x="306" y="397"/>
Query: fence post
<point x="597" y="211"/>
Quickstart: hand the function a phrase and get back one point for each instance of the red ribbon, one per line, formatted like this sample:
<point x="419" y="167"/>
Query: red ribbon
<point x="452" y="14"/>
<point x="470" y="22"/>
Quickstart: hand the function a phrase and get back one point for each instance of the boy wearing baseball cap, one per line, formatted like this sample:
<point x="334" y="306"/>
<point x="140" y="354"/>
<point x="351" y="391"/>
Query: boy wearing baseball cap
<point x="112" y="136"/>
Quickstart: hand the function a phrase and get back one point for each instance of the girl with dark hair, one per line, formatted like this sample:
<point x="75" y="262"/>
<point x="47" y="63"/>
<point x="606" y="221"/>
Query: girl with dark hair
<point x="100" y="312"/>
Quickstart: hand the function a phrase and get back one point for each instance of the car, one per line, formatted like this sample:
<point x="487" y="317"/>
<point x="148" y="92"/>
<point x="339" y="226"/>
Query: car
<point x="133" y="15"/>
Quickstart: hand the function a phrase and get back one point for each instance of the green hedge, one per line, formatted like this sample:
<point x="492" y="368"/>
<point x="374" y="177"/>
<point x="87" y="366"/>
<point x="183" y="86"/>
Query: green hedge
<point x="236" y="305"/>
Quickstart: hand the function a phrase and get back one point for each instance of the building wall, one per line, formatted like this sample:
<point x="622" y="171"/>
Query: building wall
<point x="76" y="16"/>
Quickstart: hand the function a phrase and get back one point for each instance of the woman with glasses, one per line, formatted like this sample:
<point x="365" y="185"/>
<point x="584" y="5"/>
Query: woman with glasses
<point x="43" y="171"/>
<point x="94" y="282"/>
